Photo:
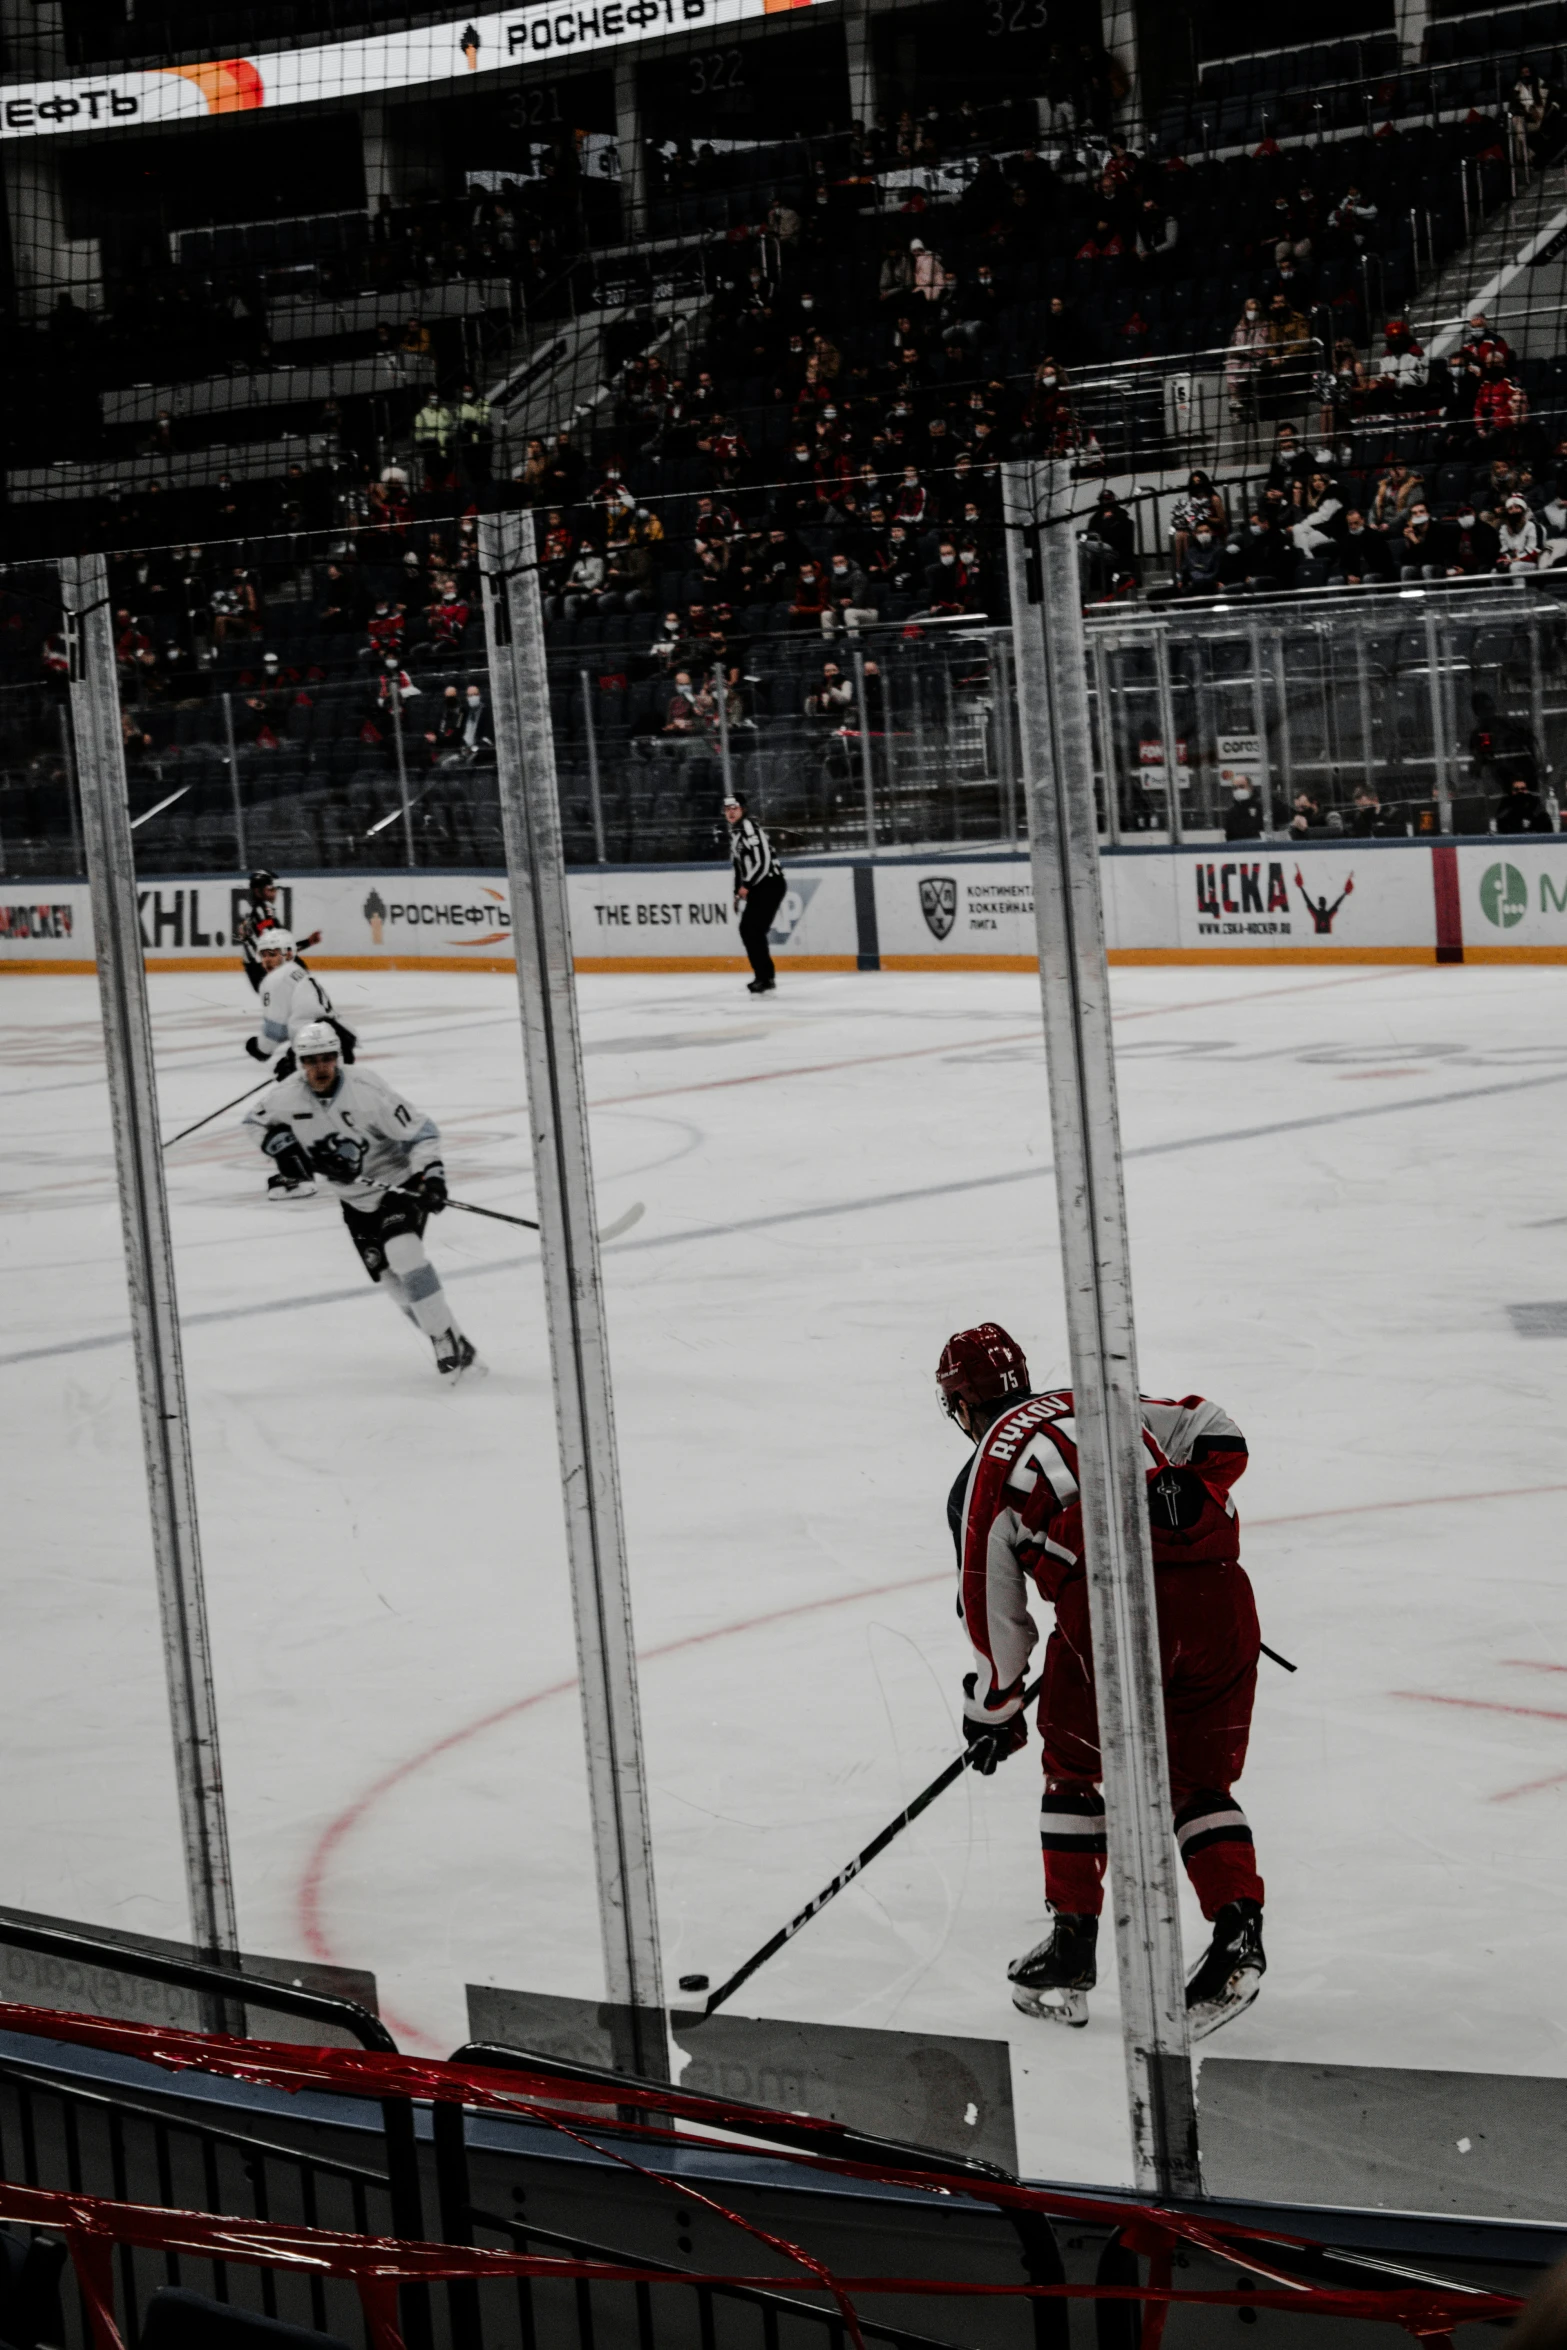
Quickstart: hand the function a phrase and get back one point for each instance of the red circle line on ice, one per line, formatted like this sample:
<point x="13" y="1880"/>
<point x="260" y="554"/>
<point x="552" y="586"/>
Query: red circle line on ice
<point x="329" y="1844"/>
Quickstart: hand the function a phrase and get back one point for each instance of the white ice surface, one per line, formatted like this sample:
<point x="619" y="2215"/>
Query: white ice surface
<point x="385" y="1560"/>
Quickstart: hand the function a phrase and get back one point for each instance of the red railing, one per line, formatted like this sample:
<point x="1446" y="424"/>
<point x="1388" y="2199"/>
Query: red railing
<point x="92" y="2227"/>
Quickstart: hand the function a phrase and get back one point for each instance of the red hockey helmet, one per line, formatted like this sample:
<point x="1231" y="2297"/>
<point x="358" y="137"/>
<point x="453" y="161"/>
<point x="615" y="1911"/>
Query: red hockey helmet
<point x="982" y="1365"/>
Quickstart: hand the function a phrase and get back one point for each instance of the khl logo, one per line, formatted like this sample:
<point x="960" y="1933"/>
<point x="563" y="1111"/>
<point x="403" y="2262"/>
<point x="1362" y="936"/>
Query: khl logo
<point x="1504" y="895"/>
<point x="939" y="904"/>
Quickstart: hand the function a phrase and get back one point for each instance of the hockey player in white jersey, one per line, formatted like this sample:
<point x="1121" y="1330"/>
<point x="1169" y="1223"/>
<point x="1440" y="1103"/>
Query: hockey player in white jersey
<point x="289" y="999"/>
<point x="383" y="1158"/>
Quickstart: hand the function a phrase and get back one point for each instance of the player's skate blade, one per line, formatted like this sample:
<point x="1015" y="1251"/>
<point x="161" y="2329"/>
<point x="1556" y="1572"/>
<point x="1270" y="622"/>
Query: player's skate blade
<point x="455" y="1357"/>
<point x="1053" y="1980"/>
<point x="1228" y="1977"/>
<point x="288" y="1187"/>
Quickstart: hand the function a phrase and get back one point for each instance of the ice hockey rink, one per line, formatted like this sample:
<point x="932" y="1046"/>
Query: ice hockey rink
<point x="1342" y="1180"/>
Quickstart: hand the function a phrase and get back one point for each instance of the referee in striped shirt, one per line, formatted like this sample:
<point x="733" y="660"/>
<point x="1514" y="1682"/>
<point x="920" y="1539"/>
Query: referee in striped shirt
<point x="759" y="891"/>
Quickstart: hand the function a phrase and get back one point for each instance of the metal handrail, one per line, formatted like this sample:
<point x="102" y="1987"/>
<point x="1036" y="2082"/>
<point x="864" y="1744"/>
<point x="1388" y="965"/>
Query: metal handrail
<point x="225" y="1983"/>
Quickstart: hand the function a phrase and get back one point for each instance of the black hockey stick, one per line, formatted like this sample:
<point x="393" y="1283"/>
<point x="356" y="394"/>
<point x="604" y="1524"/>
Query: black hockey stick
<point x="862" y="1860"/>
<point x="1278" y="1660"/>
<point x="211" y="1114"/>
<point x="633" y="1215"/>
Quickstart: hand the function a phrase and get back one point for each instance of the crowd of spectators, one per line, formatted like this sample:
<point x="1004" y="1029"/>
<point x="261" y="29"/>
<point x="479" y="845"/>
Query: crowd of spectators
<point x="1491" y="499"/>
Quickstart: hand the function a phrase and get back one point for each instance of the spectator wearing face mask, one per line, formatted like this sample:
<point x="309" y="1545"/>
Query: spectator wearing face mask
<point x="848" y="594"/>
<point x="1199" y="567"/>
<point x="1475" y="544"/>
<point x="1418" y="551"/>
<point x="946" y="583"/>
<point x="1243" y="816"/>
<point x="463" y="733"/>
<point x="1201" y="502"/>
<point x="1518" y="540"/>
<point x="1262" y="556"/>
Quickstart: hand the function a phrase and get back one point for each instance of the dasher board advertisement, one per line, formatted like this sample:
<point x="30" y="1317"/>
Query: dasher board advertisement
<point x="337" y="70"/>
<point x="668" y="918"/>
<point x="1442" y="901"/>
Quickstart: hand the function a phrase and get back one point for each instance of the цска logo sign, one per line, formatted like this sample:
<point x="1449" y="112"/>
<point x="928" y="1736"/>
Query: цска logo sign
<point x="1504" y="895"/>
<point x="939" y="904"/>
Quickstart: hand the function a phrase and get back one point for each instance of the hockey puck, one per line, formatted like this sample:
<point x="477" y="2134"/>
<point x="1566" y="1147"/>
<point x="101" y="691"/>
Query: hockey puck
<point x="694" y="1982"/>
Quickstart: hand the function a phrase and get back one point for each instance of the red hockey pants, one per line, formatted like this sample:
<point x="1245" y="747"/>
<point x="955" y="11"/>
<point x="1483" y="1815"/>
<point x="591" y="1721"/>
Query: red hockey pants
<point x="1208" y="1649"/>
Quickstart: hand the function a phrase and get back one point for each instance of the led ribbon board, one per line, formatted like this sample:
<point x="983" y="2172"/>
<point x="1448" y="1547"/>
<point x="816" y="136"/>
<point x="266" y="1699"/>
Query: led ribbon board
<point x="361" y="69"/>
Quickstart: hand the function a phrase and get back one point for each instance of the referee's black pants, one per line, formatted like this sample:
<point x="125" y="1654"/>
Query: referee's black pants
<point x="762" y="902"/>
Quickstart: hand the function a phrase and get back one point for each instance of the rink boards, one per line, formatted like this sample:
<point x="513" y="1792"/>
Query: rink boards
<point x="1264" y="901"/>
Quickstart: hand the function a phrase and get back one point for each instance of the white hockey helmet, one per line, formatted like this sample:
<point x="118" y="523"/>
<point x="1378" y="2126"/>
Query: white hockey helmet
<point x="316" y="1037"/>
<point x="275" y="942"/>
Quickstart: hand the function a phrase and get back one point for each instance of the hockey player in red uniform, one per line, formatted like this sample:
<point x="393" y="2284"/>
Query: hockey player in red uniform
<point x="1017" y="1520"/>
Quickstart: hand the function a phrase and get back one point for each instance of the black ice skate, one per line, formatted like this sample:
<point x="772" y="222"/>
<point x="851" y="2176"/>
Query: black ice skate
<point x="454" y="1354"/>
<point x="1229" y="1975"/>
<point x="289" y="1187"/>
<point x="1053" y="1980"/>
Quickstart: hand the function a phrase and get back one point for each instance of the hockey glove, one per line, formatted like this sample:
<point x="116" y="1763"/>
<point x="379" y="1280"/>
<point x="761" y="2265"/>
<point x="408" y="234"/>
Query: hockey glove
<point x="256" y="1049"/>
<point x="994" y="1740"/>
<point x="281" y="1143"/>
<point x="432" y="1190"/>
<point x="286" y="1066"/>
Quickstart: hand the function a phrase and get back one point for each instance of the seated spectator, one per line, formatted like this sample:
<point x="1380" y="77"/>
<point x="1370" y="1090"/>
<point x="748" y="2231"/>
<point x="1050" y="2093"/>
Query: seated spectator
<point x="1200" y="503"/>
<point x="810" y="596"/>
<point x="848" y="594"/>
<point x="464" y="735"/>
<point x="416" y="340"/>
<point x="946" y="585"/>
<point x="1262" y="556"/>
<point x="1397" y="489"/>
<point x="1403" y="361"/>
<point x="931" y="278"/>
<point x="1493" y="484"/>
<point x="586" y="582"/>
<point x="236" y="608"/>
<point x="1103" y="242"/>
<point x="447" y="619"/>
<point x="1501" y="405"/>
<point x="1197" y="573"/>
<point x="1363" y="558"/>
<point x="1475" y="544"/>
<point x="1371" y="821"/>
<point x="1249" y="344"/>
<point x="1518" y="540"/>
<point x="1291" y="462"/>
<point x="1481" y="345"/>
<point x="1521" y="809"/>
<point x="1110" y="543"/>
<point x="1418" y="550"/>
<point x="1243" y="816"/>
<point x="833" y="697"/>
<point x="1307" y="819"/>
<point x="1318" y="509"/>
<point x="680" y="715"/>
<point x="1341" y="389"/>
<point x="1354" y="216"/>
